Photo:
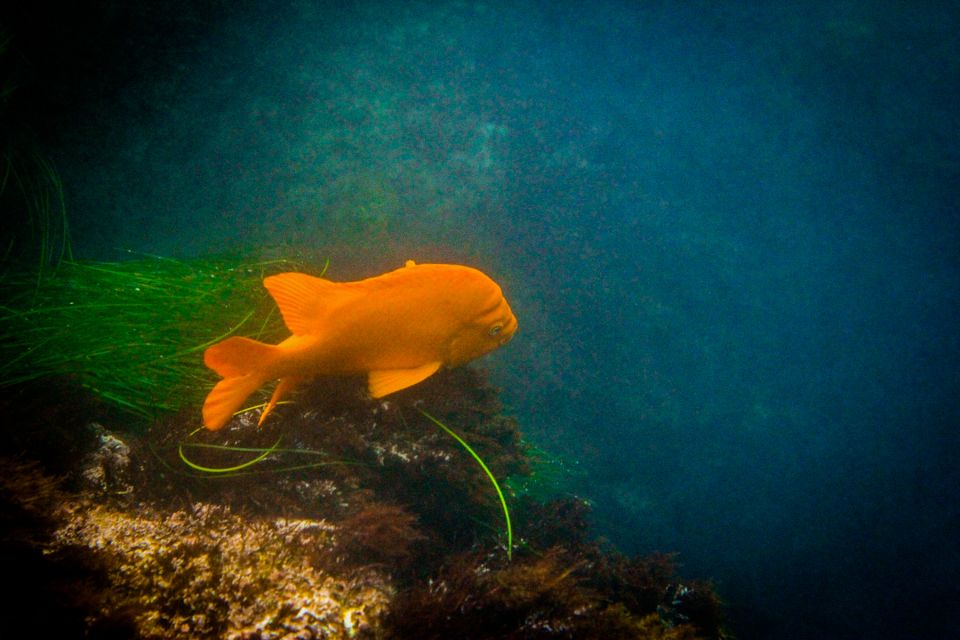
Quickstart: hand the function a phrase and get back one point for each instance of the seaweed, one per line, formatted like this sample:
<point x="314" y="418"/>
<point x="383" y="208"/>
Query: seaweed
<point x="553" y="594"/>
<point x="381" y="532"/>
<point x="576" y="591"/>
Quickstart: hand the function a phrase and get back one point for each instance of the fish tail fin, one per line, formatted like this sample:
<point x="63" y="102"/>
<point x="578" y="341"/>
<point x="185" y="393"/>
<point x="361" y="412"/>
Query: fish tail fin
<point x="242" y="363"/>
<point x="238" y="356"/>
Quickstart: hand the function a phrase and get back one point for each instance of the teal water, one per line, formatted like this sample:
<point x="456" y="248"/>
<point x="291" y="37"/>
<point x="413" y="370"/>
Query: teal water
<point x="729" y="232"/>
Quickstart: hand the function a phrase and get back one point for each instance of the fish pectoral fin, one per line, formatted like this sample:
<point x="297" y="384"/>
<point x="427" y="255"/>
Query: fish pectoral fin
<point x="390" y="380"/>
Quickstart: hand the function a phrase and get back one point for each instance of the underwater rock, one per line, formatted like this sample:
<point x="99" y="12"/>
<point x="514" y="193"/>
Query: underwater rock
<point x="205" y="571"/>
<point x="107" y="468"/>
<point x="358" y="519"/>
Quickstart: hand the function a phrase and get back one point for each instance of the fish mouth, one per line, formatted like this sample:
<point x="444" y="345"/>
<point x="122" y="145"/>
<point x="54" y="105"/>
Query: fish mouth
<point x="509" y="329"/>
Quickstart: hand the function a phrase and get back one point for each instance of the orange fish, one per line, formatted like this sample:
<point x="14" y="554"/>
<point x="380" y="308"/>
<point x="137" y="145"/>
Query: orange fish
<point x="399" y="328"/>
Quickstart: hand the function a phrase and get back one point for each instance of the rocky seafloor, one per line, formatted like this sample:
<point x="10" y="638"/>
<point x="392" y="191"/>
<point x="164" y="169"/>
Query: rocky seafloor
<point x="364" y="520"/>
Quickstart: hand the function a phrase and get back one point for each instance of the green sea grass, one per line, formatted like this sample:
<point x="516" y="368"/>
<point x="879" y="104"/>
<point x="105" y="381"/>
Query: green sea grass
<point x="132" y="332"/>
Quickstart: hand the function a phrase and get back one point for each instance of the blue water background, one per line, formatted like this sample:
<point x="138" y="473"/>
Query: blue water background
<point x="729" y="231"/>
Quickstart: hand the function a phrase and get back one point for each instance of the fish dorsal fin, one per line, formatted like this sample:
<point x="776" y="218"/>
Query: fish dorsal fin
<point x="386" y="382"/>
<point x="303" y="300"/>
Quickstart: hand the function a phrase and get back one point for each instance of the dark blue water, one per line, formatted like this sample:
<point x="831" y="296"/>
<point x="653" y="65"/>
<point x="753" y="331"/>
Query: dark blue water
<point x="730" y="233"/>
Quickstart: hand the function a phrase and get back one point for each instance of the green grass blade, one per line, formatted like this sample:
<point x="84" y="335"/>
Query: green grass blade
<point x="493" y="480"/>
<point x="243" y="465"/>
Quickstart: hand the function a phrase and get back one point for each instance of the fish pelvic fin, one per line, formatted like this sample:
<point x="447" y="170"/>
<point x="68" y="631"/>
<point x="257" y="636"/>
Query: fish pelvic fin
<point x="382" y="383"/>
<point x="243" y="364"/>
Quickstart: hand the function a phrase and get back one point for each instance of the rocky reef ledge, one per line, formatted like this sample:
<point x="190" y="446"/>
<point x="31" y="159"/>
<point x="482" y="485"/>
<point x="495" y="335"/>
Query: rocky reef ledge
<point x="205" y="571"/>
<point x="361" y="519"/>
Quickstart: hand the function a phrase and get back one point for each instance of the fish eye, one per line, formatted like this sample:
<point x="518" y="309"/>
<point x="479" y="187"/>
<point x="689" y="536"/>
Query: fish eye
<point x="495" y="329"/>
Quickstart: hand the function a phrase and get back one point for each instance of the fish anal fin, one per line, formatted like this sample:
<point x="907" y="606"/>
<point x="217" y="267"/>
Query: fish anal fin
<point x="390" y="380"/>
<point x="303" y="300"/>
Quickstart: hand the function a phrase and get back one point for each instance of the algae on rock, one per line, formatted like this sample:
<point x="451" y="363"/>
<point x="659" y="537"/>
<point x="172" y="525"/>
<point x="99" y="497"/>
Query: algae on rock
<point x="207" y="572"/>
